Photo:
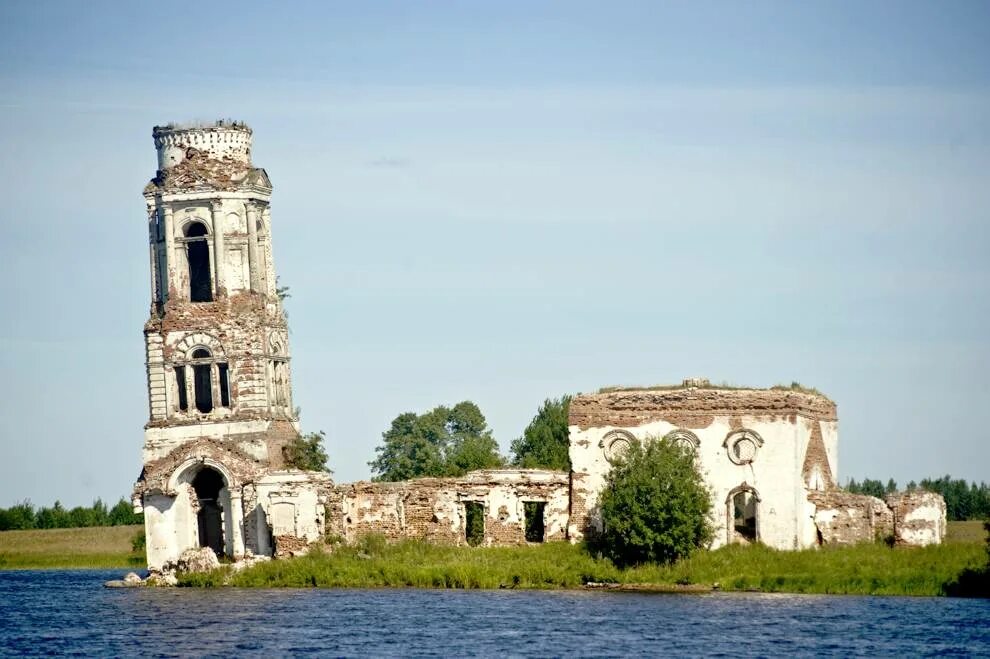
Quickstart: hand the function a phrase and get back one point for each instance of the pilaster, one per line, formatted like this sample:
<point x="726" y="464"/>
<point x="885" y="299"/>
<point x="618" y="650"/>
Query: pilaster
<point x="219" y="253"/>
<point x="253" y="263"/>
<point x="169" y="249"/>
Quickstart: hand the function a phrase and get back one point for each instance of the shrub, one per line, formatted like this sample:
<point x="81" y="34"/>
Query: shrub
<point x="139" y="542"/>
<point x="655" y="506"/>
<point x="306" y="452"/>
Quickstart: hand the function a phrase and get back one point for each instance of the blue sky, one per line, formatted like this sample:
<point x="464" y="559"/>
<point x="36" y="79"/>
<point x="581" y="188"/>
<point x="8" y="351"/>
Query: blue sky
<point x="507" y="201"/>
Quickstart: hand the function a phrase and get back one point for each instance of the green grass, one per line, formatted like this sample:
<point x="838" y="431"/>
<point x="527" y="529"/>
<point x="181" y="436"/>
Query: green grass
<point x="863" y="569"/>
<point x="968" y="531"/>
<point x="95" y="547"/>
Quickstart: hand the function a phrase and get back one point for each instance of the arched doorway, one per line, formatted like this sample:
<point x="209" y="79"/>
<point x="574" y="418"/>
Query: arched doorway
<point x="207" y="485"/>
<point x="743" y="515"/>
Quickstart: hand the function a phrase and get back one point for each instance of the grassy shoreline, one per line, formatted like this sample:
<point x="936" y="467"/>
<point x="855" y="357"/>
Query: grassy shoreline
<point x="92" y="547"/>
<point x="859" y="570"/>
<point x="373" y="563"/>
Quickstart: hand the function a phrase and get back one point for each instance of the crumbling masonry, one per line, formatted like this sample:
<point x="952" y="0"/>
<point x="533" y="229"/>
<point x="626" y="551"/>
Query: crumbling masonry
<point x="769" y="456"/>
<point x="220" y="403"/>
<point x="218" y="363"/>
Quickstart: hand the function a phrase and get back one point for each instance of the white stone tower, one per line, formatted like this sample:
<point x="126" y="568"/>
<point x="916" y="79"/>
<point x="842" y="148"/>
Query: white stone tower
<point x="219" y="381"/>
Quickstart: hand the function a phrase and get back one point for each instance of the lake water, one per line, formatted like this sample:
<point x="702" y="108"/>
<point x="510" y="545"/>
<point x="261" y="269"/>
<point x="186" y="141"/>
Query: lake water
<point x="69" y="612"/>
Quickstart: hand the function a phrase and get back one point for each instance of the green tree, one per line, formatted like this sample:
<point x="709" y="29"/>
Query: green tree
<point x="545" y="443"/>
<point x="446" y="441"/>
<point x="18" y="517"/>
<point x="56" y="517"/>
<point x="874" y="488"/>
<point x="306" y="452"/>
<point x="122" y="514"/>
<point x="655" y="506"/>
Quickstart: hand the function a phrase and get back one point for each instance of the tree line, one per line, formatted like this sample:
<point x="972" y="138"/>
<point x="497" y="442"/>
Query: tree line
<point x="451" y="441"/>
<point x="963" y="501"/>
<point x="24" y="516"/>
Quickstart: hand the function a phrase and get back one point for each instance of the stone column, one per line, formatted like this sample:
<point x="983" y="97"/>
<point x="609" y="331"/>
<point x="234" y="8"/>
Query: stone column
<point x="219" y="254"/>
<point x="153" y="249"/>
<point x="215" y="384"/>
<point x="253" y="264"/>
<point x="169" y="278"/>
<point x="190" y="389"/>
<point x="237" y="523"/>
<point x="264" y="250"/>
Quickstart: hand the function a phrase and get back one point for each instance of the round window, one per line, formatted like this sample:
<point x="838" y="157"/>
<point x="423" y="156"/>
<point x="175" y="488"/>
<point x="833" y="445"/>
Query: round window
<point x="744" y="449"/>
<point x="742" y="446"/>
<point x="684" y="439"/>
<point x="615" y="444"/>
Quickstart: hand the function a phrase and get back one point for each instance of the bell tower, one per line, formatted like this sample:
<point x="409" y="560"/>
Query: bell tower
<point x="216" y="342"/>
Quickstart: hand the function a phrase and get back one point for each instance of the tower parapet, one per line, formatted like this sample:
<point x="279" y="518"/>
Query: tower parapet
<point x="218" y="140"/>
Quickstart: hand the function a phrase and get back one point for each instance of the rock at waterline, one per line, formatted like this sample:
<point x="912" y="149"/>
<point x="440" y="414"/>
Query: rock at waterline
<point x="130" y="581"/>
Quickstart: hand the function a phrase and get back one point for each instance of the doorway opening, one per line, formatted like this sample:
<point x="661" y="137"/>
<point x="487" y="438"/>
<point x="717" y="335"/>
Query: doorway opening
<point x="207" y="485"/>
<point x="474" y="522"/>
<point x="535" y="526"/>
<point x="743" y="511"/>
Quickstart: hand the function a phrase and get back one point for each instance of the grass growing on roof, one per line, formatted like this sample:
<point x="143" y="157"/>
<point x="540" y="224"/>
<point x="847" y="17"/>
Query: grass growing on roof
<point x="793" y="386"/>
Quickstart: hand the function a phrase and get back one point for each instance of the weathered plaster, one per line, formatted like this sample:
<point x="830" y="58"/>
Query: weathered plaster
<point x="433" y="508"/>
<point x="219" y="375"/>
<point x="785" y="422"/>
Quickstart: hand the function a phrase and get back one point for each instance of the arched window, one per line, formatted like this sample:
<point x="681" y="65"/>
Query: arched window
<point x="207" y="384"/>
<point x="202" y="380"/>
<point x="198" y="253"/>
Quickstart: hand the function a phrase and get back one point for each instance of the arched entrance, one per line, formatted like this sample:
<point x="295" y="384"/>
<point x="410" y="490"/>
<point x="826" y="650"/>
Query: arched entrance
<point x="743" y="515"/>
<point x="207" y="485"/>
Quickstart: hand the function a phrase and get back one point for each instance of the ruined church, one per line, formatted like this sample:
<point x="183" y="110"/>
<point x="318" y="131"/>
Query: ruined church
<point x="220" y="413"/>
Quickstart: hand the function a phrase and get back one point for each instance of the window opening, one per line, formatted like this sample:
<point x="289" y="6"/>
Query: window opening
<point x="474" y="523"/>
<point x="207" y="485"/>
<point x="198" y="253"/>
<point x="180" y="382"/>
<point x="224" y="385"/>
<point x="203" y="390"/>
<point x="534" y="511"/>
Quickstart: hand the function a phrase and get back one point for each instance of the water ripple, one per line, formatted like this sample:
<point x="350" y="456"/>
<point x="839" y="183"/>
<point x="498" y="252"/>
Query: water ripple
<point x="69" y="612"/>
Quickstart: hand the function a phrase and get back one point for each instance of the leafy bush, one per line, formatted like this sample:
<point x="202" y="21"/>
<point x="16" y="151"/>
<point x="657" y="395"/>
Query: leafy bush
<point x="655" y="506"/>
<point x="139" y="542"/>
<point x="306" y="452"/>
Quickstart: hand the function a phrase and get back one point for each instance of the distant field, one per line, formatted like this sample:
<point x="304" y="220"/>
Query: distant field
<point x="95" y="547"/>
<point x="970" y="531"/>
